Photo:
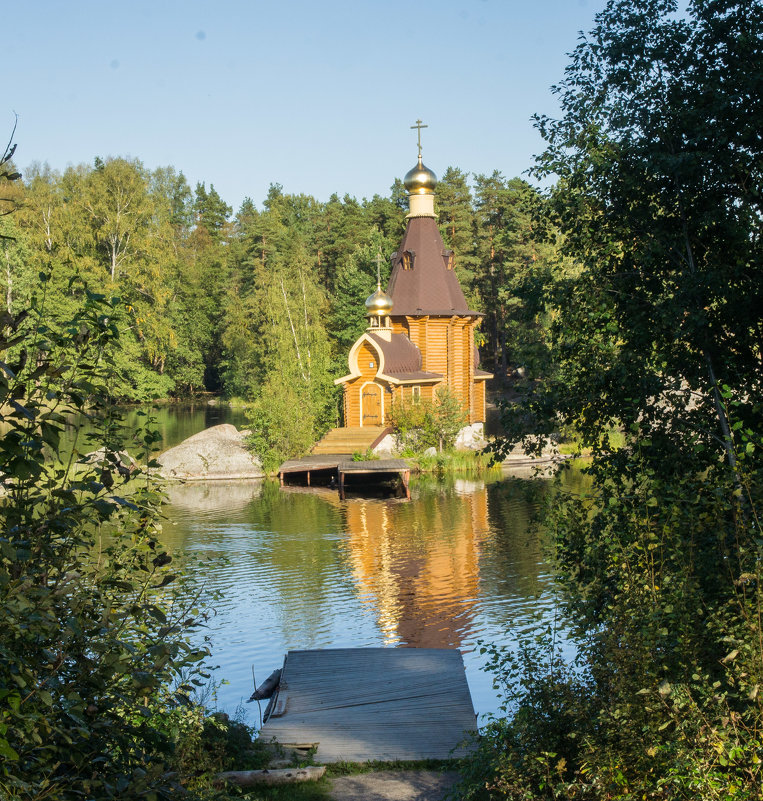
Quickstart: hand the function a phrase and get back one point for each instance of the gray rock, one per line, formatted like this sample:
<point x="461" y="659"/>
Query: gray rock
<point x="471" y="437"/>
<point x="218" y="452"/>
<point x="387" y="448"/>
<point x="430" y="451"/>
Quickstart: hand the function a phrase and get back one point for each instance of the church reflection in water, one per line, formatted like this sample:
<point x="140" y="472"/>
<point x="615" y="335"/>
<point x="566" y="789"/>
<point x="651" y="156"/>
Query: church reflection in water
<point x="418" y="566"/>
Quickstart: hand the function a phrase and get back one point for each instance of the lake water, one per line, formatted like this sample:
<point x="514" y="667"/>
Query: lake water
<point x="291" y="568"/>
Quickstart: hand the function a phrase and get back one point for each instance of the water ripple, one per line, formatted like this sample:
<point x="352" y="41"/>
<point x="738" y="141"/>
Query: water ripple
<point x="453" y="566"/>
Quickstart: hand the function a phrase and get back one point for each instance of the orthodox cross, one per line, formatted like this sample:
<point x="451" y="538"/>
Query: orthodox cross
<point x="419" y="126"/>
<point x="378" y="266"/>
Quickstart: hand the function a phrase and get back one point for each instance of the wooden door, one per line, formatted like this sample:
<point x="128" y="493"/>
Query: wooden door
<point x="371" y="405"/>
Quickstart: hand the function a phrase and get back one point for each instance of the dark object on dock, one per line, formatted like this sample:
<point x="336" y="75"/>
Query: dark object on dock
<point x="267" y="688"/>
<point x="344" y="473"/>
<point x="363" y="704"/>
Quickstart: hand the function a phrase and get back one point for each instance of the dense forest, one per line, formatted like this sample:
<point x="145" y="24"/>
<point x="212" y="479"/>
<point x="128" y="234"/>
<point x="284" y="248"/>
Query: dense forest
<point x="232" y="304"/>
<point x="214" y="301"/>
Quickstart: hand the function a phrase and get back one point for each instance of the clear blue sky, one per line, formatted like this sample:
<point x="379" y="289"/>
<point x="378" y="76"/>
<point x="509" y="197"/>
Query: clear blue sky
<point x="317" y="95"/>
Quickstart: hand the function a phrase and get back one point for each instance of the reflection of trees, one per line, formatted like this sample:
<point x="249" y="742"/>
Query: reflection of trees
<point x="281" y="564"/>
<point x="418" y="563"/>
<point x="515" y="551"/>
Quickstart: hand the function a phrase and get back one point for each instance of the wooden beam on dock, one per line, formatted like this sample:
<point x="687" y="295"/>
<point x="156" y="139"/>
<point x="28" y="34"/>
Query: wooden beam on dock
<point x="374" y="466"/>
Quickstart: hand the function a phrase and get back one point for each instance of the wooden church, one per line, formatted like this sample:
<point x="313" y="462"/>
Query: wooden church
<point x="420" y="333"/>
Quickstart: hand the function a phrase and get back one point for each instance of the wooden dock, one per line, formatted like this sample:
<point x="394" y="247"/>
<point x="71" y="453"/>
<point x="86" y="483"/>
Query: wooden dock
<point x="363" y="704"/>
<point x="343" y="473"/>
<point x="376" y="471"/>
<point x="311" y="469"/>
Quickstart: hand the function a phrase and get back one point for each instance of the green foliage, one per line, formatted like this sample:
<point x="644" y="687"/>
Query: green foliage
<point x="456" y="218"/>
<point x="368" y="456"/>
<point x="17" y="277"/>
<point x="126" y="231"/>
<point x="204" y="745"/>
<point x="294" y="398"/>
<point x="283" y="425"/>
<point x="452" y="462"/>
<point x="516" y="254"/>
<point x="211" y="211"/>
<point x="655" y="335"/>
<point x="419" y="425"/>
<point x="531" y="751"/>
<point x="94" y="646"/>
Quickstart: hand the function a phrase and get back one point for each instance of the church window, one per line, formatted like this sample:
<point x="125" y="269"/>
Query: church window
<point x="416" y="393"/>
<point x="450" y="259"/>
<point x="408" y="257"/>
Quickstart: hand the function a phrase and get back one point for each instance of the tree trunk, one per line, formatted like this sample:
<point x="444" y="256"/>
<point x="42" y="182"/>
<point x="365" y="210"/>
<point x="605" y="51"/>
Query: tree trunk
<point x="293" y="331"/>
<point x="9" y="283"/>
<point x="720" y="409"/>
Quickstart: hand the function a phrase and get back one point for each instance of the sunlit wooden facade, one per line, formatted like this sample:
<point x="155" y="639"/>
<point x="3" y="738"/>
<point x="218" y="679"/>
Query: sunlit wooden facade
<point x="421" y="331"/>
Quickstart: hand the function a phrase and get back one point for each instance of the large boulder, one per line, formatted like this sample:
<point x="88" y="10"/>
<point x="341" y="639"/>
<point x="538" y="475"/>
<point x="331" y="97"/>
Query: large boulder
<point x="471" y="437"/>
<point x="218" y="452"/>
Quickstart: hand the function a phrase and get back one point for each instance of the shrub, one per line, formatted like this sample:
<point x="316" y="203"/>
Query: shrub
<point x="421" y="424"/>
<point x="95" y="631"/>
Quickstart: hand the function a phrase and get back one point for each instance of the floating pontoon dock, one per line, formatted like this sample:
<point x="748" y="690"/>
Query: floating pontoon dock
<point x="363" y="704"/>
<point x="342" y="472"/>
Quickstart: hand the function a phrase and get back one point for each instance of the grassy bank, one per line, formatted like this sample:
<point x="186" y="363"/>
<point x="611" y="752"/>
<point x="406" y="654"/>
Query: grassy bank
<point x="258" y="755"/>
<point x="454" y="462"/>
<point x="571" y="444"/>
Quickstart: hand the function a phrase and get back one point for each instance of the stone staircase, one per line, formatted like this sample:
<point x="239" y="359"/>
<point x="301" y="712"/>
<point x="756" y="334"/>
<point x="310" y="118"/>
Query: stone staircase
<point x="350" y="440"/>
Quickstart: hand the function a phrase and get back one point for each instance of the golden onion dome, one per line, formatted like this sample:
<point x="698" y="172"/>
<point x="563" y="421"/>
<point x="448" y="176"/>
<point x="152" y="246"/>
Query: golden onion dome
<point x="420" y="180"/>
<point x="380" y="303"/>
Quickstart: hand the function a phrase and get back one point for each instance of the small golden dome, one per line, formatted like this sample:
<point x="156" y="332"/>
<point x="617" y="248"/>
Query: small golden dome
<point x="380" y="303"/>
<point x="420" y="180"/>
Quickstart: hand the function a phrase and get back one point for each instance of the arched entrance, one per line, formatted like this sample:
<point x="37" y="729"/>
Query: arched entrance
<point x="371" y="405"/>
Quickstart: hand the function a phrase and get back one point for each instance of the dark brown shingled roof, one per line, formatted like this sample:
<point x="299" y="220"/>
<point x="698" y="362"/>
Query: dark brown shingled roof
<point x="402" y="359"/>
<point x="429" y="287"/>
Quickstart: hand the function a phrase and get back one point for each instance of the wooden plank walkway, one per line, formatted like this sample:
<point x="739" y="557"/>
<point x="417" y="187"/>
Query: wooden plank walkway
<point x="310" y="463"/>
<point x="362" y="704"/>
<point x="374" y="466"/>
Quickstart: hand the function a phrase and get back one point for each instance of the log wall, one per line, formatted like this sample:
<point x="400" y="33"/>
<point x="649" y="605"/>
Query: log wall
<point x="446" y="345"/>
